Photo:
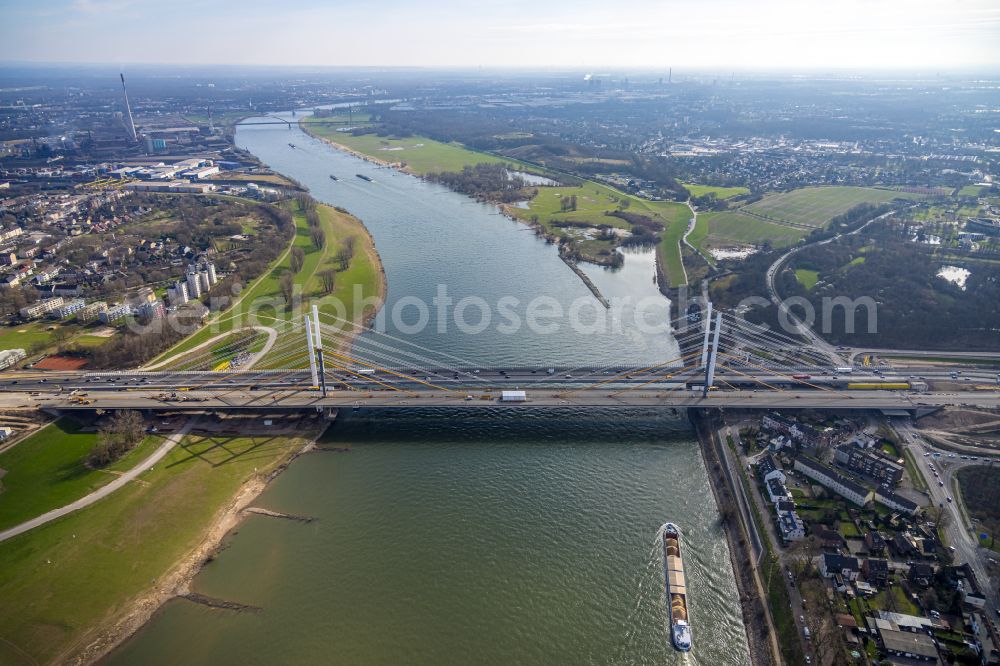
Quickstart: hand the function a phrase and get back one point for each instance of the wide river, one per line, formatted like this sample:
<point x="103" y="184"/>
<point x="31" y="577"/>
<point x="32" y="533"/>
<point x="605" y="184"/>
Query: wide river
<point x="445" y="537"/>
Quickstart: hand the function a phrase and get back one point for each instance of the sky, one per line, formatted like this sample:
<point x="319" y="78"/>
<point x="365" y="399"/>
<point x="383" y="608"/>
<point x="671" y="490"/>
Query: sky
<point x="579" y="34"/>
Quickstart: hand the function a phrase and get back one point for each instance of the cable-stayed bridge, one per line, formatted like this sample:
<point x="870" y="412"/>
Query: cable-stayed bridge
<point x="323" y="362"/>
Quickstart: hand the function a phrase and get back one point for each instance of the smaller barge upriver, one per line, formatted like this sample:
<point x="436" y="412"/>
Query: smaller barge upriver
<point x="673" y="573"/>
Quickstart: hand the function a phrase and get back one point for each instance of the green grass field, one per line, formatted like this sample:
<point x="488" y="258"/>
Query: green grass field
<point x="733" y="227"/>
<point x="65" y="580"/>
<point x="816" y="206"/>
<point x="47" y="470"/>
<point x="807" y="278"/>
<point x="970" y="191"/>
<point x="34" y="335"/>
<point x="720" y="192"/>
<point x="421" y="155"/>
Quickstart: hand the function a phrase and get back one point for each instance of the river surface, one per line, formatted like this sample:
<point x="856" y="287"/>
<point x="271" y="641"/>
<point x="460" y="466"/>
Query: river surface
<point x="452" y="537"/>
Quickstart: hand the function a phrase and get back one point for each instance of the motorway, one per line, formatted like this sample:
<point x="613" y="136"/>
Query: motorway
<point x="473" y="379"/>
<point x="297" y="399"/>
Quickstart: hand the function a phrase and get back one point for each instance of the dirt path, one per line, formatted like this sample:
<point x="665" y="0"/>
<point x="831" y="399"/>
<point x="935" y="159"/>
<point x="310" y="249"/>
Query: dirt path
<point x="103" y="491"/>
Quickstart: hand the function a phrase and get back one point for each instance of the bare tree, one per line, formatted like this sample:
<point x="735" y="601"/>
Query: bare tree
<point x="123" y="431"/>
<point x="287" y="285"/>
<point x="329" y="278"/>
<point x="297" y="259"/>
<point x="318" y="237"/>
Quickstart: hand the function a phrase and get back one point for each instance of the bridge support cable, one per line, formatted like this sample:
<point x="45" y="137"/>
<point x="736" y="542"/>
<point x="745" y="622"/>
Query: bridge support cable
<point x="775" y="339"/>
<point x="388" y="371"/>
<point x="670" y="375"/>
<point x="628" y="373"/>
<point x="779" y="374"/>
<point x="753" y="378"/>
<point x="434" y="355"/>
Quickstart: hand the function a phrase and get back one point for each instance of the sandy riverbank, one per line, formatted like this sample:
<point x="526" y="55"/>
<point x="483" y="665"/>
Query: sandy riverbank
<point x="177" y="581"/>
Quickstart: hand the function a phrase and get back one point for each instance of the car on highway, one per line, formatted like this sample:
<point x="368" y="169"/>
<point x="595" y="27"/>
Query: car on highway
<point x="949" y="498"/>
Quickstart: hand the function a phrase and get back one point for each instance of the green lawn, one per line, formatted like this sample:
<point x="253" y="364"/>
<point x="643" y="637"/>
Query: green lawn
<point x="47" y="470"/>
<point x="734" y="227"/>
<point x="65" y="580"/>
<point x="421" y="155"/>
<point x="970" y="191"/>
<point x="33" y="335"/>
<point x="816" y="206"/>
<point x="807" y="278"/>
<point x="720" y="192"/>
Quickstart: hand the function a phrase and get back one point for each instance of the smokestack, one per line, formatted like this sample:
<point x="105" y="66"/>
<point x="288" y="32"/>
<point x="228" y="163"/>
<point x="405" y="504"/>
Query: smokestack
<point x="128" y="108"/>
<point x="670" y="75"/>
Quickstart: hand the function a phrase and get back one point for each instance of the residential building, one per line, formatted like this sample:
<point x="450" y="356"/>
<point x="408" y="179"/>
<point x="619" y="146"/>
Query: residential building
<point x="790" y="526"/>
<point x="903" y="622"/>
<point x="921" y="574"/>
<point x="776" y="490"/>
<point x="68" y="309"/>
<point x="876" y="571"/>
<point x="869" y="463"/>
<point x="193" y="284"/>
<point x="829" y="539"/>
<point x="89" y="313"/>
<point x="178" y="294"/>
<point x="801" y="433"/>
<point x="151" y="310"/>
<point x="885" y="496"/>
<point x="875" y="543"/>
<point x="831" y="564"/>
<point x="115" y="313"/>
<point x="830" y="478"/>
<point x="768" y="468"/>
<point x="908" y="645"/>
<point x="42" y="307"/>
<point x="9" y="357"/>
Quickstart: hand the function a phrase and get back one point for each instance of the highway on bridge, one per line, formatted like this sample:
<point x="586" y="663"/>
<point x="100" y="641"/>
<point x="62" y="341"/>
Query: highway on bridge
<point x="308" y="399"/>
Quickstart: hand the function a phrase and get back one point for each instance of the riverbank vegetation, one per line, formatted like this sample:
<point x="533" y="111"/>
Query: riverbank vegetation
<point x="65" y="583"/>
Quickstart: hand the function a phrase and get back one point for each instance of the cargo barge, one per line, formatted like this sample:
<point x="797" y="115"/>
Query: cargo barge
<point x="673" y="573"/>
<point x="363" y="177"/>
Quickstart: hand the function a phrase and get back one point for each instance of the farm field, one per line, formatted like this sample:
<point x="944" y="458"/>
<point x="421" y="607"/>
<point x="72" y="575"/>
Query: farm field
<point x="816" y="206"/>
<point x="720" y="192"/>
<point x="734" y="227"/>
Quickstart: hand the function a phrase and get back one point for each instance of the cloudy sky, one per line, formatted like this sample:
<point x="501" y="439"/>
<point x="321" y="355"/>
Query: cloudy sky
<point x="731" y="34"/>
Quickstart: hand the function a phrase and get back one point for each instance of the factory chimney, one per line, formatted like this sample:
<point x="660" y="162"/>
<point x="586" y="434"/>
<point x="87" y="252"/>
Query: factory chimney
<point x="128" y="108"/>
